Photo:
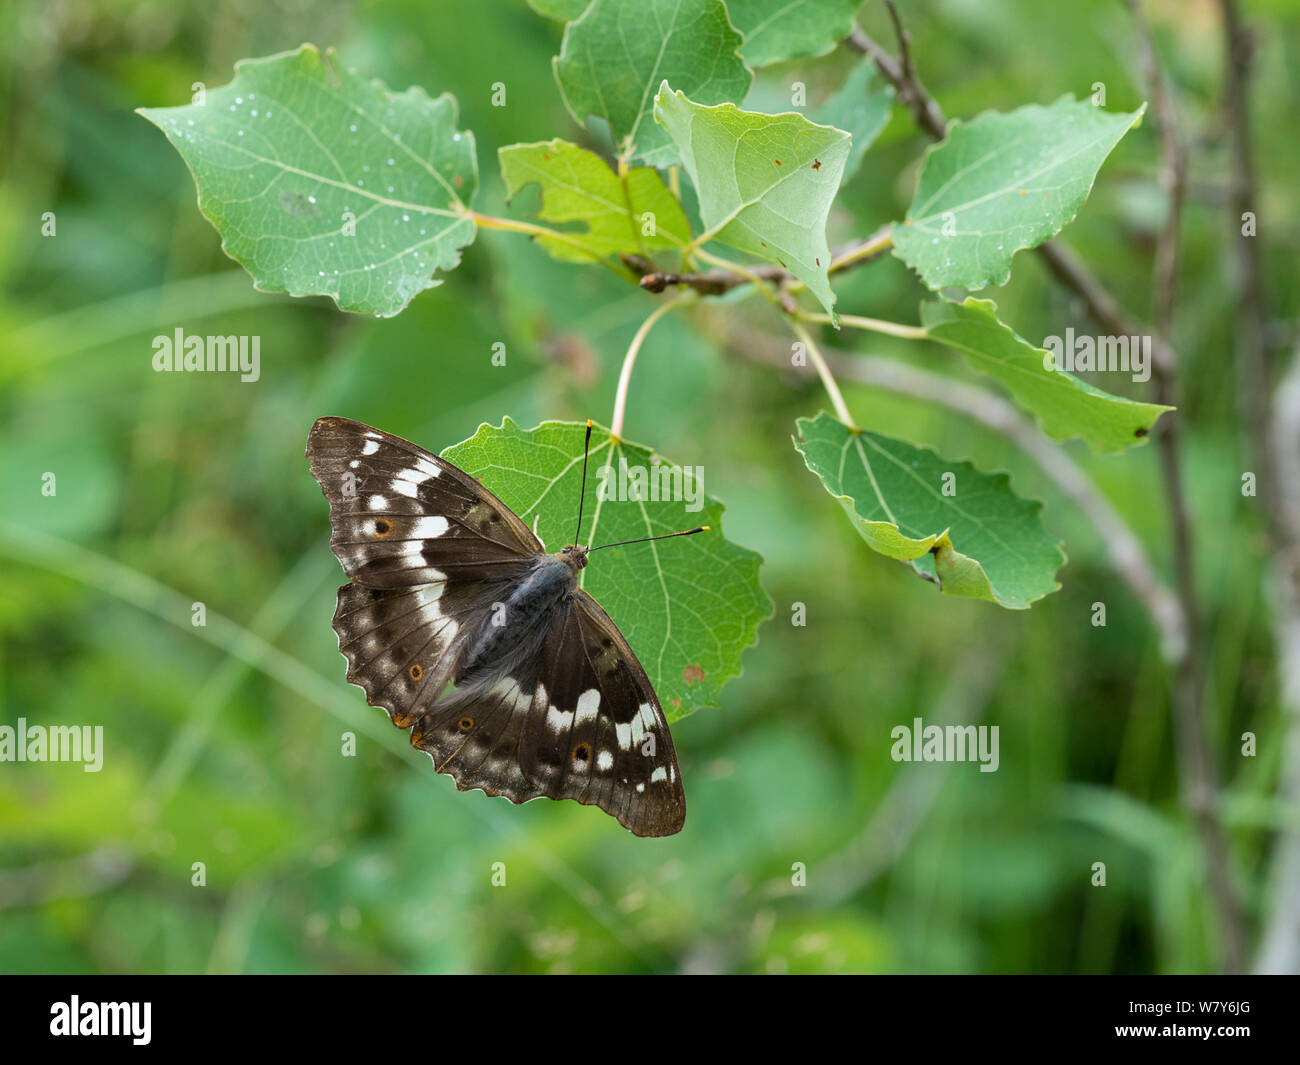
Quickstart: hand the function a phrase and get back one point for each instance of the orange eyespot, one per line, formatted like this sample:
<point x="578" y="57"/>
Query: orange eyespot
<point x="465" y="724"/>
<point x="415" y="671"/>
<point x="382" y="527"/>
<point x="582" y="752"/>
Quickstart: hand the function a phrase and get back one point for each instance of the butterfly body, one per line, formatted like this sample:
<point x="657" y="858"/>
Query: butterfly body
<point x="517" y="623"/>
<point x="459" y="624"/>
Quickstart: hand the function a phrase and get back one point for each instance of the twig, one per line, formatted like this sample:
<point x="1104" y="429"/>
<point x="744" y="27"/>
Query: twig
<point x="720" y="282"/>
<point x="925" y="112"/>
<point x="1273" y="432"/>
<point x="1199" y="773"/>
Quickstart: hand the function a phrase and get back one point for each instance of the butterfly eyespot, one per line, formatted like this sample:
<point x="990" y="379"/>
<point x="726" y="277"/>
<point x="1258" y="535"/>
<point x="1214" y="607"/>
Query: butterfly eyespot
<point x="582" y="752"/>
<point x="415" y="671"/>
<point x="465" y="724"/>
<point x="382" y="527"/>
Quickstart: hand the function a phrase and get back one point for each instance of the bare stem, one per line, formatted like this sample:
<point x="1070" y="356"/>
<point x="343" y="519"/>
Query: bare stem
<point x="824" y="372"/>
<point x="513" y="225"/>
<point x="629" y="361"/>
<point x="873" y="325"/>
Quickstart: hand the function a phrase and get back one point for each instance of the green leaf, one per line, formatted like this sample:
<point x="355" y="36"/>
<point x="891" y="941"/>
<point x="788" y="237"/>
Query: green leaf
<point x="1000" y="183"/>
<point x="689" y="606"/>
<point x="1064" y="405"/>
<point x="981" y="541"/>
<point x="578" y="186"/>
<point x="862" y="108"/>
<point x="776" y="30"/>
<point x="615" y="55"/>
<point x="296" y="152"/>
<point x="765" y="182"/>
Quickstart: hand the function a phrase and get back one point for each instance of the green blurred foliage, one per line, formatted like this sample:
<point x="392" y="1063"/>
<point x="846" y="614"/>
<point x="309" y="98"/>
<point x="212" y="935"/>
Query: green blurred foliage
<point x="222" y="744"/>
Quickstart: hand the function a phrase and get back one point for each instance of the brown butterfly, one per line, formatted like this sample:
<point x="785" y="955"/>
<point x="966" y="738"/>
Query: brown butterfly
<point x="459" y="624"/>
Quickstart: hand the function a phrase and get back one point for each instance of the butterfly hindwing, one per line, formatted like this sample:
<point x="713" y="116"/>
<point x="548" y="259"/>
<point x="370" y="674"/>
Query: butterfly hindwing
<point x="402" y="644"/>
<point x="596" y="732"/>
<point x="579" y="720"/>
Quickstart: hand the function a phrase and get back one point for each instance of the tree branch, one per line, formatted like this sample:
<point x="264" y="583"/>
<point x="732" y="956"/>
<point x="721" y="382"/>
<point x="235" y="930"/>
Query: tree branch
<point x="1198" y="776"/>
<point x="720" y="282"/>
<point x="1273" y="432"/>
<point x="1199" y="771"/>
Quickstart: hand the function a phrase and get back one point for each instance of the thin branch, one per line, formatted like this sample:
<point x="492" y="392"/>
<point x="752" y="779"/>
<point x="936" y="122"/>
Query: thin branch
<point x="1273" y="431"/>
<point x="1198" y="769"/>
<point x="1254" y="357"/>
<point x="720" y="282"/>
<point x="925" y="112"/>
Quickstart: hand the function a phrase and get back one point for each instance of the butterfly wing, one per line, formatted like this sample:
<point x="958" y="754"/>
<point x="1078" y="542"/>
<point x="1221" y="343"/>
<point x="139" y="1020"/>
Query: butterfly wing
<point x="580" y="720"/>
<point x="401" y="516"/>
<point x="428" y="548"/>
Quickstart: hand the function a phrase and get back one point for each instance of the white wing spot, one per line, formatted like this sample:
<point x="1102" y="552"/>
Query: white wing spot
<point x="378" y="503"/>
<point x="429" y="528"/>
<point x="588" y="706"/>
<point x="604" y="761"/>
<point x="370" y="447"/>
<point x="660" y="774"/>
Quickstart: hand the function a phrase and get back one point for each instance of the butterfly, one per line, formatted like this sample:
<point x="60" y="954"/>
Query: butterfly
<point x="459" y="624"/>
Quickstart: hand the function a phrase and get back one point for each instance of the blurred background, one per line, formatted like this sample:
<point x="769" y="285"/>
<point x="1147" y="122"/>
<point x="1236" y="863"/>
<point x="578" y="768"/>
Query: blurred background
<point x="222" y="743"/>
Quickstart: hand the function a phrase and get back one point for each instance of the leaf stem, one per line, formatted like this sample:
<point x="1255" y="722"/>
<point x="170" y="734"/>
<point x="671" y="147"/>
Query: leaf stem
<point x="824" y="372"/>
<point x="629" y="360"/>
<point x="874" y="325"/>
<point x="513" y="225"/>
<point x="881" y="242"/>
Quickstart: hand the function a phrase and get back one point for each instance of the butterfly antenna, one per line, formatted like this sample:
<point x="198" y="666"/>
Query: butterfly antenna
<point x="647" y="539"/>
<point x="583" y="494"/>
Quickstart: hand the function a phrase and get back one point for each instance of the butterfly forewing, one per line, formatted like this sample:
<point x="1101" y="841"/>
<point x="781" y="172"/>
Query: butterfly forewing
<point x="402" y="516"/>
<point x="562" y="709"/>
